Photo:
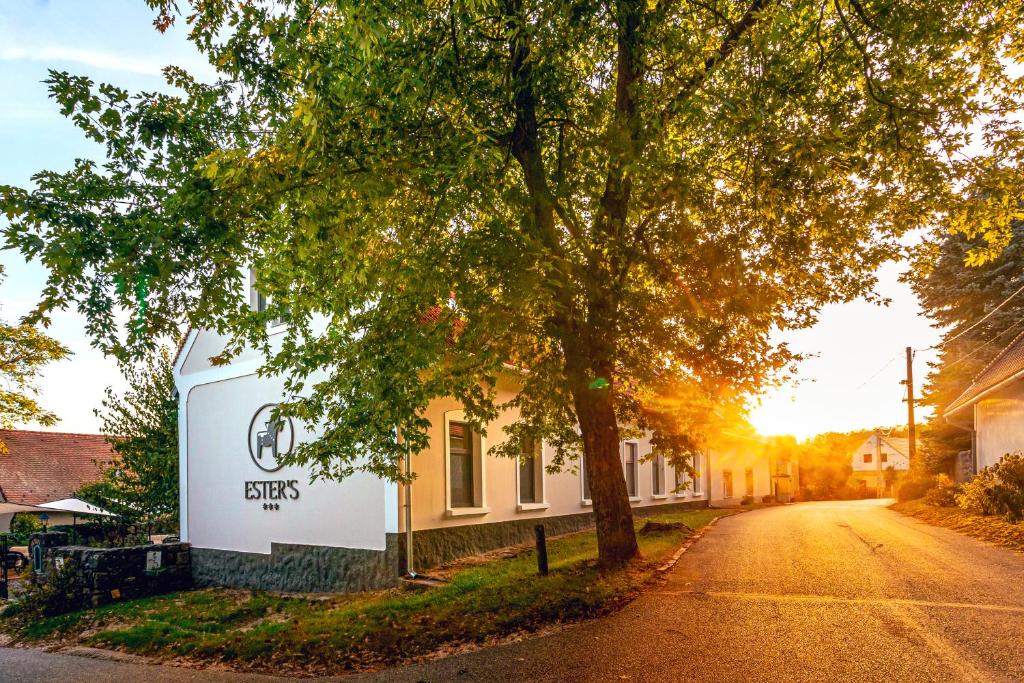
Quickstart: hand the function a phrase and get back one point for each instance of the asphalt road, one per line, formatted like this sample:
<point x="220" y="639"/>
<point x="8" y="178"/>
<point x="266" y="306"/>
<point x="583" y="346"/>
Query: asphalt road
<point x="839" y="591"/>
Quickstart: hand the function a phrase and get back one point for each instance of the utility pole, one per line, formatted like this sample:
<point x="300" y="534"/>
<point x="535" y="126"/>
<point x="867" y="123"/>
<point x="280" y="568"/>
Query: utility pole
<point x="911" y="429"/>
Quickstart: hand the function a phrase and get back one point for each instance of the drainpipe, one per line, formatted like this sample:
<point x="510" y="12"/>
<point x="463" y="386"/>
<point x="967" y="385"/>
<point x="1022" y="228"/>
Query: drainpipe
<point x="409" y="571"/>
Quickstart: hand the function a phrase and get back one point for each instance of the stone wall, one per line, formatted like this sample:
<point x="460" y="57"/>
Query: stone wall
<point x="434" y="547"/>
<point x="297" y="568"/>
<point x="91" y="577"/>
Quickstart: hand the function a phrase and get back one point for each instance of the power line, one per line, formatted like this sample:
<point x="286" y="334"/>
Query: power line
<point x="978" y="350"/>
<point x="983" y="319"/>
<point x="878" y="372"/>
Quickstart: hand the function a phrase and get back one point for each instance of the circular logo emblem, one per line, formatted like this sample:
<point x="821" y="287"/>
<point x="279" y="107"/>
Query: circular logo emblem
<point x="269" y="438"/>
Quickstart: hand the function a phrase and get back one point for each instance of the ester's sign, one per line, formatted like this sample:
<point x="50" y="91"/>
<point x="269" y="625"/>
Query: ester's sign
<point x="269" y="439"/>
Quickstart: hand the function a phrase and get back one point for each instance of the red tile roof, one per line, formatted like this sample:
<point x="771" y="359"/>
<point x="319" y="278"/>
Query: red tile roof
<point x="1009" y="362"/>
<point x="45" y="466"/>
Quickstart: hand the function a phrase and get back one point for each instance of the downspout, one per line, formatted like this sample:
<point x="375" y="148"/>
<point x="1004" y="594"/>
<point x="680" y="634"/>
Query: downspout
<point x="409" y="571"/>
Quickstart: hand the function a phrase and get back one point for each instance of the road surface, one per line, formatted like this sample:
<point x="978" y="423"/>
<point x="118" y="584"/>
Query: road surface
<point x="837" y="591"/>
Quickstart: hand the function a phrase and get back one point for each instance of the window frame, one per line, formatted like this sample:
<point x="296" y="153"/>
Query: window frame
<point x="868" y="458"/>
<point x="479" y="472"/>
<point x="727" y="477"/>
<point x="748" y="482"/>
<point x="540" y="490"/>
<point x="259" y="302"/>
<point x="696" y="481"/>
<point x="659" y="472"/>
<point x="635" y="495"/>
<point x="585" y="500"/>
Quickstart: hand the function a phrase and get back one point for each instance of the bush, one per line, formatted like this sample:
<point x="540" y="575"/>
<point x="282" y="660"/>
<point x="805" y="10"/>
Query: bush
<point x="914" y="487"/>
<point x="768" y="499"/>
<point x="22" y="526"/>
<point x="943" y="493"/>
<point x="998" y="489"/>
<point x="44" y="596"/>
<point x="976" y="495"/>
<point x="747" y="500"/>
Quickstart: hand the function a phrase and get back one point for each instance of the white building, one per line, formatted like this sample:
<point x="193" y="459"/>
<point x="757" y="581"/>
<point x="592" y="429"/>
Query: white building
<point x="253" y="523"/>
<point x="992" y="407"/>
<point x="872" y="459"/>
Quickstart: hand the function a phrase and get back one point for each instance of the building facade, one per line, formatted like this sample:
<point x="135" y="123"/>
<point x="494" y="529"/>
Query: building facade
<point x="878" y="461"/>
<point x="992" y="407"/>
<point x="253" y="523"/>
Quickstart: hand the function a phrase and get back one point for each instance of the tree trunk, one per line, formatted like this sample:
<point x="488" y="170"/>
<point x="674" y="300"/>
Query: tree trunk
<point x="616" y="539"/>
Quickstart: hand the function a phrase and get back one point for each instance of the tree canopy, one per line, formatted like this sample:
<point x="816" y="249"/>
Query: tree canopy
<point x="24" y="350"/>
<point x="616" y="198"/>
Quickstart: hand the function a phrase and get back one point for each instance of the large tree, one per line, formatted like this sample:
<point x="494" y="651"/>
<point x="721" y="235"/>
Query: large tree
<point x="142" y="427"/>
<point x="617" y="198"/>
<point x="24" y="350"/>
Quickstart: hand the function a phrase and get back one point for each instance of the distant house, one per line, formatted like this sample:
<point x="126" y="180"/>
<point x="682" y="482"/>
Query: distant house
<point x="874" y="456"/>
<point x="992" y="407"/>
<point x="47" y="466"/>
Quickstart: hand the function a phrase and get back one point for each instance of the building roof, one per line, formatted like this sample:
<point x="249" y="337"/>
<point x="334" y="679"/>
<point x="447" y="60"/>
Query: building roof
<point x="43" y="466"/>
<point x="1008" y="363"/>
<point x="900" y="445"/>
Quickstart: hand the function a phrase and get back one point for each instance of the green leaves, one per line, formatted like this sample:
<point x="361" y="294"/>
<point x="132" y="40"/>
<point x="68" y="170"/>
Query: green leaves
<point x="641" y="192"/>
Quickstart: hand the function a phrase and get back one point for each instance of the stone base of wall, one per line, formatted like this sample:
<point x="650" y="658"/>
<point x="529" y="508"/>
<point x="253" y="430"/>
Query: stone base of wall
<point x="434" y="547"/>
<point x="297" y="568"/>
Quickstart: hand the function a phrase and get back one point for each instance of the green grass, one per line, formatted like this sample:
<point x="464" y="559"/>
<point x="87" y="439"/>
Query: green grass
<point x="254" y="629"/>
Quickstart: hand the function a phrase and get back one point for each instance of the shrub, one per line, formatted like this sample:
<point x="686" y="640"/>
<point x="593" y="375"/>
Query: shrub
<point x="976" y="495"/>
<point x="768" y="499"/>
<point x="998" y="489"/>
<point x="747" y="500"/>
<point x="22" y="526"/>
<point x="1008" y="493"/>
<point x="44" y="596"/>
<point x="943" y="493"/>
<point x="914" y="487"/>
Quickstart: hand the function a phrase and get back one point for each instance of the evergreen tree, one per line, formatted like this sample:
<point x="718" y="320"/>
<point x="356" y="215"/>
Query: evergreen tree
<point x="957" y="295"/>
<point x="142" y="428"/>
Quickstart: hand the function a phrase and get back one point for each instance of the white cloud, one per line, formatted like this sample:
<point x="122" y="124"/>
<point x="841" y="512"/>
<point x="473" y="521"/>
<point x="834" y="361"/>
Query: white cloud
<point x="97" y="59"/>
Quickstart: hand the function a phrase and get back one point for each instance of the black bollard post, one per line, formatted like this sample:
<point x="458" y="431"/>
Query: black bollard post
<point x="3" y="567"/>
<point x="542" y="550"/>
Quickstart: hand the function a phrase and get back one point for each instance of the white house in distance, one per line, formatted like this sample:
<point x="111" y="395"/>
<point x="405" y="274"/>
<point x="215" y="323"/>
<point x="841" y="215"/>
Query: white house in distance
<point x="254" y="523"/>
<point x="992" y="407"/>
<point x="878" y="453"/>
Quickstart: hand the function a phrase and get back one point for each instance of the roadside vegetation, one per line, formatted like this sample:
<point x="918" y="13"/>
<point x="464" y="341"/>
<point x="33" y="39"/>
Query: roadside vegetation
<point x="481" y="602"/>
<point x="989" y="507"/>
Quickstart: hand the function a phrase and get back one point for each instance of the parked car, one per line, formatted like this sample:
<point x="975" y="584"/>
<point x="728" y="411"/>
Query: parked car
<point x="16" y="561"/>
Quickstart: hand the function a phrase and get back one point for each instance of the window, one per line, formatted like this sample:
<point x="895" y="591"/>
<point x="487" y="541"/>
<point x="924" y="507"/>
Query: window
<point x="531" y="474"/>
<point x="584" y="478"/>
<point x="726" y="484"/>
<point x="680" y="481"/>
<point x="658" y="476"/>
<point x="748" y="478"/>
<point x="464" y="464"/>
<point x="867" y="457"/>
<point x="884" y="457"/>
<point x="630" y="460"/>
<point x="460" y="454"/>
<point x="697" y="475"/>
<point x="258" y="301"/>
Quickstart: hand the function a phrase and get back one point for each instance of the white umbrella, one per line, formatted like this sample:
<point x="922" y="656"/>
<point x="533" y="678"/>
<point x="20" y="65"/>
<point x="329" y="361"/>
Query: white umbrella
<point x="75" y="506"/>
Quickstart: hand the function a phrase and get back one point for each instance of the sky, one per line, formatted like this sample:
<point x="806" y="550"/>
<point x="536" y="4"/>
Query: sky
<point x="850" y="380"/>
